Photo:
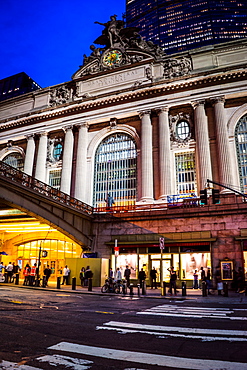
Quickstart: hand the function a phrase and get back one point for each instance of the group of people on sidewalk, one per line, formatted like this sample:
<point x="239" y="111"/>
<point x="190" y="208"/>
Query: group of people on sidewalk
<point x="8" y="272"/>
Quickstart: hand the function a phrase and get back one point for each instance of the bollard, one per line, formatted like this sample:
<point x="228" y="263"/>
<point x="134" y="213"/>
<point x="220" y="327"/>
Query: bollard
<point x="58" y="282"/>
<point x="204" y="289"/>
<point x="124" y="288"/>
<point x="138" y="290"/>
<point x="225" y="289"/>
<point x="90" y="285"/>
<point x="144" y="286"/>
<point x="163" y="289"/>
<point x="73" y="283"/>
<point x="131" y="290"/>
<point x="17" y="279"/>
<point x="183" y="288"/>
<point x="44" y="284"/>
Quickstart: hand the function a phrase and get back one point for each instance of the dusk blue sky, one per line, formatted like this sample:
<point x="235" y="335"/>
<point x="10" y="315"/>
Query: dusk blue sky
<point x="47" y="39"/>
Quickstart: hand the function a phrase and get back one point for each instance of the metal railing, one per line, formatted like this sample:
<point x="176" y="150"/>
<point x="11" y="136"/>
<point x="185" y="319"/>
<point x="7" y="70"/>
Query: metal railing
<point x="26" y="181"/>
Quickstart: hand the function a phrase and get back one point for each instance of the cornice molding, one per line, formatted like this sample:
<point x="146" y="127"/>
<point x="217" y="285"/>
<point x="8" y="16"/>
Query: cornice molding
<point x="143" y="93"/>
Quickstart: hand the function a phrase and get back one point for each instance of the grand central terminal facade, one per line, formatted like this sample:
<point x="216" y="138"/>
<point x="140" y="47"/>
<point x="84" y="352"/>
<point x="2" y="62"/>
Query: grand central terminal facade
<point x="137" y="134"/>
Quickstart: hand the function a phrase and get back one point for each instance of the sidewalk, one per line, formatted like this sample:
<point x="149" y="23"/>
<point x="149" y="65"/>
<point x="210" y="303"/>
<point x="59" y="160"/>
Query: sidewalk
<point x="191" y="294"/>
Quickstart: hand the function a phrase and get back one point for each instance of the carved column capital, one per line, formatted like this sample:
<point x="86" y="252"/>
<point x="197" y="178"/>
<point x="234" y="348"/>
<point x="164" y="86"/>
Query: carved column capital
<point x="29" y="136"/>
<point x="218" y="99"/>
<point x="83" y="125"/>
<point x="67" y="128"/>
<point x="144" y="113"/>
<point x="197" y="103"/>
<point x="164" y="109"/>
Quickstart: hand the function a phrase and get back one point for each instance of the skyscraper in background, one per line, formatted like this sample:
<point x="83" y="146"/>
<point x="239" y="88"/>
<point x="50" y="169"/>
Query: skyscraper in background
<point x="179" y="25"/>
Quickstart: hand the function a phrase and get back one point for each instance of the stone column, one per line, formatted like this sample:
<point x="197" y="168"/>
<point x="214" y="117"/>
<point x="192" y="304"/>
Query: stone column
<point x="164" y="154"/>
<point x="28" y="164"/>
<point x="146" y="158"/>
<point x="81" y="163"/>
<point x="40" y="172"/>
<point x="67" y="160"/>
<point x="223" y="146"/>
<point x="202" y="144"/>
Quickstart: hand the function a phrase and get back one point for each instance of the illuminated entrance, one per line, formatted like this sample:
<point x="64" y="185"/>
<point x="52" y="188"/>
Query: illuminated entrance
<point x="56" y="253"/>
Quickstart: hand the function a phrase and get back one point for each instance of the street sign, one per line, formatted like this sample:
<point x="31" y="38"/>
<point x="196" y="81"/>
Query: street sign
<point x="162" y="243"/>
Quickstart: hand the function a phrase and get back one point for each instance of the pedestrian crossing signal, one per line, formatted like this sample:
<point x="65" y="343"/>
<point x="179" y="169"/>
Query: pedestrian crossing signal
<point x="203" y="197"/>
<point x="44" y="254"/>
<point x="215" y="196"/>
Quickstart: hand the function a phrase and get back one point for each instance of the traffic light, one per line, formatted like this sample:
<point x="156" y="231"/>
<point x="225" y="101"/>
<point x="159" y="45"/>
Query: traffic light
<point x="215" y="196"/>
<point x="203" y="197"/>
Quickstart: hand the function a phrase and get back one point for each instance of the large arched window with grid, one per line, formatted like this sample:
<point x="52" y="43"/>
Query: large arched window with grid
<point x="14" y="159"/>
<point x="115" y="171"/>
<point x="241" y="145"/>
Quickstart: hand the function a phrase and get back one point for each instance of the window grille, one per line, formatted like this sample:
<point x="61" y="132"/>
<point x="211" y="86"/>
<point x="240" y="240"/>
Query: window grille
<point x="185" y="173"/>
<point x="15" y="160"/>
<point x="55" y="178"/>
<point x="241" y="146"/>
<point x="115" y="171"/>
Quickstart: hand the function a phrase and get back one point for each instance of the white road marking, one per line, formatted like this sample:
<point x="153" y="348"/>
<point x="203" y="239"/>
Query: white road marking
<point x="6" y="365"/>
<point x="150" y="359"/>
<point x="192" y="312"/>
<point x="68" y="362"/>
<point x="181" y="332"/>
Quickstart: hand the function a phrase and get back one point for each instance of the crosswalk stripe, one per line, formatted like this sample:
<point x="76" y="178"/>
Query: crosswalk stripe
<point x="147" y="358"/>
<point x="192" y="312"/>
<point x="181" y="332"/>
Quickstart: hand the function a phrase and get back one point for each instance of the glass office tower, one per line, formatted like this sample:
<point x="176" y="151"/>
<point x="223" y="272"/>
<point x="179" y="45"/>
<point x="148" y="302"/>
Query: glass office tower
<point x="179" y="25"/>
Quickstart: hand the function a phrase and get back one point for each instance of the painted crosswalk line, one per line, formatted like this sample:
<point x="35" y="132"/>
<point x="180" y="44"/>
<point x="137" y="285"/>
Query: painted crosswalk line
<point x="192" y="312"/>
<point x="148" y="358"/>
<point x="208" y="335"/>
<point x="7" y="365"/>
<point x="68" y="362"/>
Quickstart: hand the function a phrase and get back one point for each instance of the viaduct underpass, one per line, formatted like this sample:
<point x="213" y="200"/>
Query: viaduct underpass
<point x="62" y="212"/>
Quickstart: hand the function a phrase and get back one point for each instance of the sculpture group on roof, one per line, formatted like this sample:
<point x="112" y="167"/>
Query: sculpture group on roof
<point x="115" y="35"/>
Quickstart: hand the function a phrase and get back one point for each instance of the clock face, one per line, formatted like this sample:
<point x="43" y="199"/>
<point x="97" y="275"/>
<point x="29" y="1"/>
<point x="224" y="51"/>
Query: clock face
<point x="112" y="58"/>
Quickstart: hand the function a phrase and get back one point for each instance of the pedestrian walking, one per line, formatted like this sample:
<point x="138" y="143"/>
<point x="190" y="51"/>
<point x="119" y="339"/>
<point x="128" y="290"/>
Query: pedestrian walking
<point x="173" y="279"/>
<point x="195" y="281"/>
<point x="88" y="275"/>
<point x="141" y="277"/>
<point x="32" y="274"/>
<point x="66" y="272"/>
<point x="118" y="275"/>
<point x="82" y="276"/>
<point x="26" y="274"/>
<point x="47" y="273"/>
<point x="127" y="273"/>
<point x="203" y="276"/>
<point x="208" y="280"/>
<point x="9" y="272"/>
<point x="153" y="274"/>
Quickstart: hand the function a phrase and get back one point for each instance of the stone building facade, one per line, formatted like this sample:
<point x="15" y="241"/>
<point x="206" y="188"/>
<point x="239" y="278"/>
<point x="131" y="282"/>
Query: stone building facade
<point x="137" y="134"/>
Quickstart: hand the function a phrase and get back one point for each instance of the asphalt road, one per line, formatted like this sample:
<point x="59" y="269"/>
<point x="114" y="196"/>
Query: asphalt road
<point x="57" y="330"/>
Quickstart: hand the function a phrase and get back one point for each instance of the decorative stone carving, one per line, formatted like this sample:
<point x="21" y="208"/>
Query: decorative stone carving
<point x="58" y="96"/>
<point x="176" y="67"/>
<point x="174" y="120"/>
<point x="50" y="149"/>
<point x="121" y="45"/>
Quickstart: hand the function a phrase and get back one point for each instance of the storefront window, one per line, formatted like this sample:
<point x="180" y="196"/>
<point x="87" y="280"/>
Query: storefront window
<point x="130" y="260"/>
<point x="193" y="261"/>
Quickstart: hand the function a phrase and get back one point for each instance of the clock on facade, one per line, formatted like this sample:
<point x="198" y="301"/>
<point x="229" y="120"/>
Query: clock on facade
<point x="112" y="58"/>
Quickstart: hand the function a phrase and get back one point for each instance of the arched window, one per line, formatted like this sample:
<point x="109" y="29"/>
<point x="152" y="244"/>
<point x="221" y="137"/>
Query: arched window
<point x="14" y="160"/>
<point x="115" y="171"/>
<point x="241" y="145"/>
